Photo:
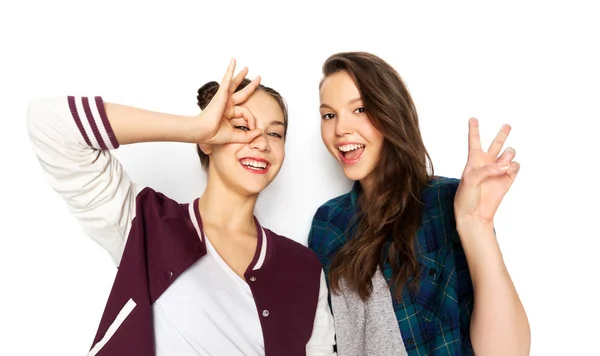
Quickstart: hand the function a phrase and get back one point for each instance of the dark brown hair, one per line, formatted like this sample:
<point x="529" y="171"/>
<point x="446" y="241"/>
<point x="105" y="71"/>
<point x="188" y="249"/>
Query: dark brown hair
<point x="208" y="91"/>
<point x="393" y="213"/>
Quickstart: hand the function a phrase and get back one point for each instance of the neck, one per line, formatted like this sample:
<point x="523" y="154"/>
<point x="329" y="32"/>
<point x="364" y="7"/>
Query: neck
<point x="366" y="185"/>
<point x="225" y="208"/>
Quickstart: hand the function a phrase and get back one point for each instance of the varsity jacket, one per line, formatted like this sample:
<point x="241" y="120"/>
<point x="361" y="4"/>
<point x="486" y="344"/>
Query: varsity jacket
<point x="153" y="239"/>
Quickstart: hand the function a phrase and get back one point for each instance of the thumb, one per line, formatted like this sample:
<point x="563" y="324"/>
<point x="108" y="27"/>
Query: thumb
<point x="218" y="102"/>
<point x="238" y="136"/>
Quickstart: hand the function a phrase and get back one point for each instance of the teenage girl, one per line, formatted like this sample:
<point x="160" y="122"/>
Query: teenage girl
<point x="203" y="278"/>
<point x="412" y="259"/>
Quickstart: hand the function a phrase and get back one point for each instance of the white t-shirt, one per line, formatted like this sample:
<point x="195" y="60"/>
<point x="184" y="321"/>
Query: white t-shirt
<point x="208" y="310"/>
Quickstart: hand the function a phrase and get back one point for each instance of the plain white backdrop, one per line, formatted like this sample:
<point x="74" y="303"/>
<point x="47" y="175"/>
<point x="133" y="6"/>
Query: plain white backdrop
<point x="534" y="65"/>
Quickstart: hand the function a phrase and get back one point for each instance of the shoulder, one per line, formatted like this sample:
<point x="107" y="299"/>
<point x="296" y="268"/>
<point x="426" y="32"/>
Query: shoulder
<point x="438" y="225"/>
<point x="330" y="226"/>
<point x="150" y="196"/>
<point x="334" y="214"/>
<point x="150" y="202"/>
<point x="292" y="251"/>
<point x="332" y="208"/>
<point x="332" y="217"/>
<point x="440" y="192"/>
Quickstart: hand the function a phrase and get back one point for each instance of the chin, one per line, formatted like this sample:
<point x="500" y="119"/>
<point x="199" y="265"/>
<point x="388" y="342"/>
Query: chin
<point x="253" y="188"/>
<point x="353" y="173"/>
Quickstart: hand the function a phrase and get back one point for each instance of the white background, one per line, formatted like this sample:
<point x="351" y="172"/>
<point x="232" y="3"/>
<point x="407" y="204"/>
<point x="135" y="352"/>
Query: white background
<point x="532" y="65"/>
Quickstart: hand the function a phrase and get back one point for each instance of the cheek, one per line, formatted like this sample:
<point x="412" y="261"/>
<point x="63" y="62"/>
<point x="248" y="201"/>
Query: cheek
<point x="370" y="133"/>
<point x="278" y="150"/>
<point x="378" y="138"/>
<point x="221" y="152"/>
<point x="327" y="132"/>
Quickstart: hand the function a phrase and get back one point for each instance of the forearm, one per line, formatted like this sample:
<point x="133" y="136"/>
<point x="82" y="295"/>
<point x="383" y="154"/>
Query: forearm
<point x="134" y="125"/>
<point x="499" y="324"/>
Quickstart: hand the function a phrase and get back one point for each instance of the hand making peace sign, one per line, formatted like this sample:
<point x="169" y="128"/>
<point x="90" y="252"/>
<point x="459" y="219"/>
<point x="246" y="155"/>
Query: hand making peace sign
<point x="486" y="177"/>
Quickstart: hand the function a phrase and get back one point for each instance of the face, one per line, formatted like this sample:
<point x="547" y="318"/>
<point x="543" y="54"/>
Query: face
<point x="250" y="168"/>
<point x="346" y="129"/>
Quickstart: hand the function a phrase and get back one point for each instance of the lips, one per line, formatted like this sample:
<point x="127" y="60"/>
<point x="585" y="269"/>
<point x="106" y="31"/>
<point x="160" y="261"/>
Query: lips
<point x="350" y="152"/>
<point x="255" y="165"/>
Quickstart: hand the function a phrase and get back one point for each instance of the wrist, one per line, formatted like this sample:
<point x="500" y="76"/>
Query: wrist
<point x="479" y="242"/>
<point x="186" y="129"/>
<point x="196" y="129"/>
<point x="470" y="226"/>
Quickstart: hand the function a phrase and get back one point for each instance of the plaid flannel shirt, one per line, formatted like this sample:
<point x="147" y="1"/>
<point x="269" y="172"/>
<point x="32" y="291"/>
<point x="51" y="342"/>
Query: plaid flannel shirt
<point x="436" y="319"/>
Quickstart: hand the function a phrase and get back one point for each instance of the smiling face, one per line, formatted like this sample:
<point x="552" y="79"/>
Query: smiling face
<point x="250" y="168"/>
<point x="346" y="129"/>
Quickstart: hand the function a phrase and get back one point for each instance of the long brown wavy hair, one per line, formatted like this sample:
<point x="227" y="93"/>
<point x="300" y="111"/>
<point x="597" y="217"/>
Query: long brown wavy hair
<point x="393" y="213"/>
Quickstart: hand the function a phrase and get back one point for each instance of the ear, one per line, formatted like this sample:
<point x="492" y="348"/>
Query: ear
<point x="206" y="149"/>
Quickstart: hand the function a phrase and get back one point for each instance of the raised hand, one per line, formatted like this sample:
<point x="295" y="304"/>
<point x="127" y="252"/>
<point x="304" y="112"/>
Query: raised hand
<point x="216" y="126"/>
<point x="486" y="178"/>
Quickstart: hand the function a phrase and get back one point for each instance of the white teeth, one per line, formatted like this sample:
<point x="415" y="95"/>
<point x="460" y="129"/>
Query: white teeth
<point x="254" y="164"/>
<point x="348" y="148"/>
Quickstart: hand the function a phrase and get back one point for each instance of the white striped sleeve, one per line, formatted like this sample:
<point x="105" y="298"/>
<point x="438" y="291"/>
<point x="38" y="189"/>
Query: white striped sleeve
<point x="71" y="137"/>
<point x="322" y="339"/>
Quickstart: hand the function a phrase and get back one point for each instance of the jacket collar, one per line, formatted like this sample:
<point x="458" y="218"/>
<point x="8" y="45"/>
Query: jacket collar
<point x="263" y="247"/>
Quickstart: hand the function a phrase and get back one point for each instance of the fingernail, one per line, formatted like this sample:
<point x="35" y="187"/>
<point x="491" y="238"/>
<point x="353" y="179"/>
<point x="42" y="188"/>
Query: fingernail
<point x="503" y="165"/>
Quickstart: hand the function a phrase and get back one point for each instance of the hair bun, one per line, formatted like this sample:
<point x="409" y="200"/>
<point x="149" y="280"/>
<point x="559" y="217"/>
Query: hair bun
<point x="206" y="93"/>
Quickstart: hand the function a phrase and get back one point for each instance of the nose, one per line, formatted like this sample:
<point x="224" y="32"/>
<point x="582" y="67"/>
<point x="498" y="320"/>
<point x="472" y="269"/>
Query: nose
<point x="343" y="125"/>
<point x="260" y="143"/>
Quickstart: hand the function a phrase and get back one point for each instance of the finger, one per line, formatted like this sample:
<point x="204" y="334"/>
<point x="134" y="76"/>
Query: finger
<point x="474" y="140"/>
<point x="499" y="140"/>
<point x="226" y="82"/>
<point x="479" y="175"/>
<point x="239" y="136"/>
<point x="245" y="93"/>
<point x="243" y="112"/>
<point x="513" y="170"/>
<point x="508" y="155"/>
<point x="238" y="80"/>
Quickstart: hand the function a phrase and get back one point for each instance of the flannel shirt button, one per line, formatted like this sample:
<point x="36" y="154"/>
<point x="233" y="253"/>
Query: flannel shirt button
<point x="410" y="341"/>
<point x="252" y="279"/>
<point x="432" y="272"/>
<point x="265" y="313"/>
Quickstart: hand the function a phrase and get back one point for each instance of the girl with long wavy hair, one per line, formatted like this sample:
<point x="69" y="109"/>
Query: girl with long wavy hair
<point x="412" y="259"/>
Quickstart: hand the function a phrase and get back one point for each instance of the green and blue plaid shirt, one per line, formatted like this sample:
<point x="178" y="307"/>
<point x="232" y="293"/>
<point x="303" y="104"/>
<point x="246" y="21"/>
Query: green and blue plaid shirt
<point x="435" y="320"/>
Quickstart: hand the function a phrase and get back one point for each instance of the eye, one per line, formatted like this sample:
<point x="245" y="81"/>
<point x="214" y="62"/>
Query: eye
<point x="359" y="110"/>
<point x="327" y="116"/>
<point x="241" y="127"/>
<point x="275" y="134"/>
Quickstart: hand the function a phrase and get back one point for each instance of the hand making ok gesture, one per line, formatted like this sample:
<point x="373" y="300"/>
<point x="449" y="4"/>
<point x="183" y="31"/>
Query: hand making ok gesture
<point x="215" y="125"/>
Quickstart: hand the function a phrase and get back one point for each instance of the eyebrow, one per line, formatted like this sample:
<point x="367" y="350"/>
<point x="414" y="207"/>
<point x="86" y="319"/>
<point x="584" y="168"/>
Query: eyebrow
<point x="350" y="102"/>
<point x="274" y="123"/>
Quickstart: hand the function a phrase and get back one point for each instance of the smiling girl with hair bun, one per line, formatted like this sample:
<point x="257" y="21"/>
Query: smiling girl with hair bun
<point x="203" y="278"/>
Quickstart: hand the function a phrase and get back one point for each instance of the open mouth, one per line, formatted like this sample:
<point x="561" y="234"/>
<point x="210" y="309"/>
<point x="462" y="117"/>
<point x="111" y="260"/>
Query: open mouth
<point x="255" y="165"/>
<point x="351" y="153"/>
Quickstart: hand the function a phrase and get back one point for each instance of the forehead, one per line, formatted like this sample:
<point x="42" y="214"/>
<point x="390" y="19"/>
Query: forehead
<point x="264" y="107"/>
<point x="338" y="87"/>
